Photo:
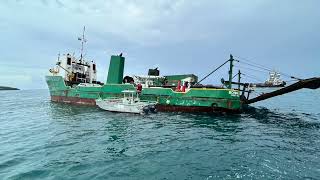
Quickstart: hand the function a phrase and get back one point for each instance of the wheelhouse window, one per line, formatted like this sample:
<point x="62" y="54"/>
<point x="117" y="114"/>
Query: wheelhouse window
<point x="69" y="60"/>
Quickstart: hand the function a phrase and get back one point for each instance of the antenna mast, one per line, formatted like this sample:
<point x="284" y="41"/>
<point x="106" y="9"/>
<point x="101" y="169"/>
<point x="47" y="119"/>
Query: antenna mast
<point x="83" y="40"/>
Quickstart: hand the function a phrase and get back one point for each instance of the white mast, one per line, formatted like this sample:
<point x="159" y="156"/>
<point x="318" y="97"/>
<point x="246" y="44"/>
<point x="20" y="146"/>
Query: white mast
<point x="83" y="40"/>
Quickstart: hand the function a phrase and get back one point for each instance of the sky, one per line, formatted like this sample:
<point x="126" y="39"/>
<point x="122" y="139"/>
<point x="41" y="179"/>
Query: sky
<point x="178" y="36"/>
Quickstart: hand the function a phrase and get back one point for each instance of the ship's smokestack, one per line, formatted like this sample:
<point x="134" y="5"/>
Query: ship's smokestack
<point x="115" y="73"/>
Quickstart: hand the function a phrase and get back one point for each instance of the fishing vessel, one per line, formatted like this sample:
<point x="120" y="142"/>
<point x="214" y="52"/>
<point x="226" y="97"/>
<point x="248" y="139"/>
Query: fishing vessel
<point x="274" y="80"/>
<point x="129" y="103"/>
<point x="74" y="80"/>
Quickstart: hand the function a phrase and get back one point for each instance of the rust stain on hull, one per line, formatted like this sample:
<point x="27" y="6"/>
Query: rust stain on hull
<point x="73" y="100"/>
<point x="160" y="108"/>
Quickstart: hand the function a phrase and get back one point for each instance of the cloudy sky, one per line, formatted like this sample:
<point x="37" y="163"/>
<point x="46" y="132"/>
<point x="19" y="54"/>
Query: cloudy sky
<point x="178" y="36"/>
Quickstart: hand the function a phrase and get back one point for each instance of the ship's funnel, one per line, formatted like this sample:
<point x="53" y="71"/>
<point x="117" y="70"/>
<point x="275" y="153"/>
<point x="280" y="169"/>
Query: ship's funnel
<point x="115" y="73"/>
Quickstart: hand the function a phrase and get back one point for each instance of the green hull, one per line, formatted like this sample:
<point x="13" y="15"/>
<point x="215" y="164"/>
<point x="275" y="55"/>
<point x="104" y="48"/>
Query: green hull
<point x="194" y="100"/>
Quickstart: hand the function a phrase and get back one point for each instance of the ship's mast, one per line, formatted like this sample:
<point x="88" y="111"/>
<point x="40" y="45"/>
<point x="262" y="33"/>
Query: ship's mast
<point x="230" y="71"/>
<point x="83" y="40"/>
<point x="239" y="79"/>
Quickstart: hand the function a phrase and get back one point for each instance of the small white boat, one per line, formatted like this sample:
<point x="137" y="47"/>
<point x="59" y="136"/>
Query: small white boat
<point x="128" y="104"/>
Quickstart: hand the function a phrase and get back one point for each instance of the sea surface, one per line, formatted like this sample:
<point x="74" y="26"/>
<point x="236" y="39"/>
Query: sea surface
<point x="274" y="139"/>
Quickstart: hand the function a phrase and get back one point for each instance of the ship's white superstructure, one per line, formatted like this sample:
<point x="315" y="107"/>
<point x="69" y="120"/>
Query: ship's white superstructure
<point x="76" y="70"/>
<point x="274" y="79"/>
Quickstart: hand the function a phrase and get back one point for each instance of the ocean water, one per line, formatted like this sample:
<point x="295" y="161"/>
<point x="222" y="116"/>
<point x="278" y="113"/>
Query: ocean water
<point x="275" y="139"/>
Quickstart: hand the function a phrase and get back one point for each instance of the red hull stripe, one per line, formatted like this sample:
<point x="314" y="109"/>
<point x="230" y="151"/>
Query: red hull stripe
<point x="163" y="108"/>
<point x="194" y="109"/>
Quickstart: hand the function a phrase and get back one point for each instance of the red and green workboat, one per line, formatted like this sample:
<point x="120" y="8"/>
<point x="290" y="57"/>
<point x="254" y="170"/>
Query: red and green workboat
<point x="173" y="93"/>
<point x="74" y="80"/>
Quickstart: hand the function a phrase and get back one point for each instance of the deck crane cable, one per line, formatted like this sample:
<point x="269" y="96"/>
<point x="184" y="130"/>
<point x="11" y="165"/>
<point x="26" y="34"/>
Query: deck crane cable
<point x="252" y="77"/>
<point x="235" y="76"/>
<point x="262" y="68"/>
<point x="248" y="75"/>
<point x="266" y="69"/>
<point x="242" y="67"/>
<point x="212" y="72"/>
<point x="251" y="63"/>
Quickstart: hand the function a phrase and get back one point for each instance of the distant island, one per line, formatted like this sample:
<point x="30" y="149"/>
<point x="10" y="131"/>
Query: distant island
<point x="7" y="88"/>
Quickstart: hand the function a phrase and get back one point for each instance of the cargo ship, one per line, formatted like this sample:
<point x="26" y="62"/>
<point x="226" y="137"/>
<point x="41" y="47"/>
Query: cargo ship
<point x="173" y="93"/>
<point x="74" y="80"/>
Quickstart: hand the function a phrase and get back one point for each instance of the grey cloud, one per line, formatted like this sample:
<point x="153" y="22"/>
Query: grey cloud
<point x="179" y="36"/>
